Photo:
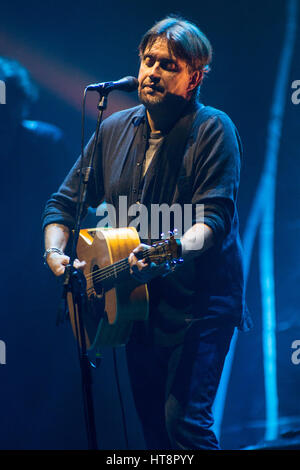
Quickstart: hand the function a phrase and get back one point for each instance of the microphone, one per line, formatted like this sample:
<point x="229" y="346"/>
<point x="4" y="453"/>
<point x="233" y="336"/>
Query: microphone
<point x="128" y="84"/>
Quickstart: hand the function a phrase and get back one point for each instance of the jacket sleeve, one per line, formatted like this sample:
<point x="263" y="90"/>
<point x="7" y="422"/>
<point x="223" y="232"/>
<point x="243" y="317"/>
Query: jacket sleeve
<point x="62" y="205"/>
<point x="217" y="174"/>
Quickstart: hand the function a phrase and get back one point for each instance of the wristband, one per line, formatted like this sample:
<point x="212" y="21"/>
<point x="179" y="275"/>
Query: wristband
<point x="52" y="250"/>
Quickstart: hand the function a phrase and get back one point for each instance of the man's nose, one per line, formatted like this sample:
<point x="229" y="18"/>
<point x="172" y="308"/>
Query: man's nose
<point x="155" y="71"/>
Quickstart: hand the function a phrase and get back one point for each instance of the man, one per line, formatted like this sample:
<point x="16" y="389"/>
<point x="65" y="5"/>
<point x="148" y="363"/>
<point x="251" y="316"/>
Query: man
<point x="171" y="150"/>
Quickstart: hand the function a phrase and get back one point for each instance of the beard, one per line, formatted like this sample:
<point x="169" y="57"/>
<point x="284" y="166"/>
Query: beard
<point x="162" y="102"/>
<point x="151" y="101"/>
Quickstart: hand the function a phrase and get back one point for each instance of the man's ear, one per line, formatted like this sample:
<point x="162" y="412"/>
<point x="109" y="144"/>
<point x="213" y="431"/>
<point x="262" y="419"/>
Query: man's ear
<point x="195" y="79"/>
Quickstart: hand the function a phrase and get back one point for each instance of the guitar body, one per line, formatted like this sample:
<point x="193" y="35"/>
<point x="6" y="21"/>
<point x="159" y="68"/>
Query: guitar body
<point x="111" y="307"/>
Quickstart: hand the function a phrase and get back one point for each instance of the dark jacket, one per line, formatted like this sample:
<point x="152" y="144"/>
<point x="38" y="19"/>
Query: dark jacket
<point x="199" y="163"/>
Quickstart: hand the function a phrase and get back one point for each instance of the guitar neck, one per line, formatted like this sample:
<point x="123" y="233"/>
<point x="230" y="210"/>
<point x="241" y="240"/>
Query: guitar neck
<point x="159" y="253"/>
<point x="115" y="271"/>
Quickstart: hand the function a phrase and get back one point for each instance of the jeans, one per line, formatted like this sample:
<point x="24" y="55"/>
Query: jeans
<point x="174" y="387"/>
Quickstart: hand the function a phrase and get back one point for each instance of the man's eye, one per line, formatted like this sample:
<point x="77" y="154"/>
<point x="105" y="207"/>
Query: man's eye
<point x="149" y="61"/>
<point x="169" y="65"/>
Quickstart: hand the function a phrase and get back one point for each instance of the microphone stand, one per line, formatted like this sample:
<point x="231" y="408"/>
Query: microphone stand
<point x="75" y="283"/>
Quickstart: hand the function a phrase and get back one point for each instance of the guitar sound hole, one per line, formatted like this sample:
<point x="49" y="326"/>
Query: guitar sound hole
<point x="97" y="283"/>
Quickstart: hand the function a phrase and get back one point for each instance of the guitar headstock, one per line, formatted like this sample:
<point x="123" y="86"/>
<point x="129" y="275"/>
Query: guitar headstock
<point x="168" y="250"/>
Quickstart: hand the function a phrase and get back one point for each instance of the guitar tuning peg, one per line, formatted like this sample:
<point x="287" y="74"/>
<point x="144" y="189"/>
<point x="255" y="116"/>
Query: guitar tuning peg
<point x="172" y="264"/>
<point x="173" y="233"/>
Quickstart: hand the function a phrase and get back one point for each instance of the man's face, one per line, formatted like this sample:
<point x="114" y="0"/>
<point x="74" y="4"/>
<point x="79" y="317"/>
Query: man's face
<point x="162" y="74"/>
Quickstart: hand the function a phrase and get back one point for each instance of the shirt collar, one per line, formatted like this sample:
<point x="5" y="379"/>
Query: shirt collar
<point x="139" y="116"/>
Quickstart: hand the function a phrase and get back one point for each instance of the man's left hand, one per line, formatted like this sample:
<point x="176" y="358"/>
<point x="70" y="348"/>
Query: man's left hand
<point x="140" y="269"/>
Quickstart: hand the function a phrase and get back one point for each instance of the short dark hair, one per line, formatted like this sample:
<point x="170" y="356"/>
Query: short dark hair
<point x="17" y="77"/>
<point x="185" y="40"/>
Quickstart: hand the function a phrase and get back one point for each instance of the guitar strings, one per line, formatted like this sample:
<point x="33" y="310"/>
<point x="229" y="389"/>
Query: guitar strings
<point x="118" y="267"/>
<point x="115" y="265"/>
<point x="112" y="270"/>
<point x="108" y="272"/>
<point x="105" y="273"/>
<point x="116" y="271"/>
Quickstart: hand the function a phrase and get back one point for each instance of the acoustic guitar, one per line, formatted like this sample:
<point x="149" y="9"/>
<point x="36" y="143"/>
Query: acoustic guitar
<point x="113" y="299"/>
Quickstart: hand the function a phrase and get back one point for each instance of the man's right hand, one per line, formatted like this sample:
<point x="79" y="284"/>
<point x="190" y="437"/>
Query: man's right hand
<point x="57" y="235"/>
<point x="57" y="263"/>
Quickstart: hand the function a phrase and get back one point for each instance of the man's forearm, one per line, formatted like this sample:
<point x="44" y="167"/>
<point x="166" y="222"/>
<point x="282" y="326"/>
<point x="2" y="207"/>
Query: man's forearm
<point x="56" y="236"/>
<point x="196" y="240"/>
